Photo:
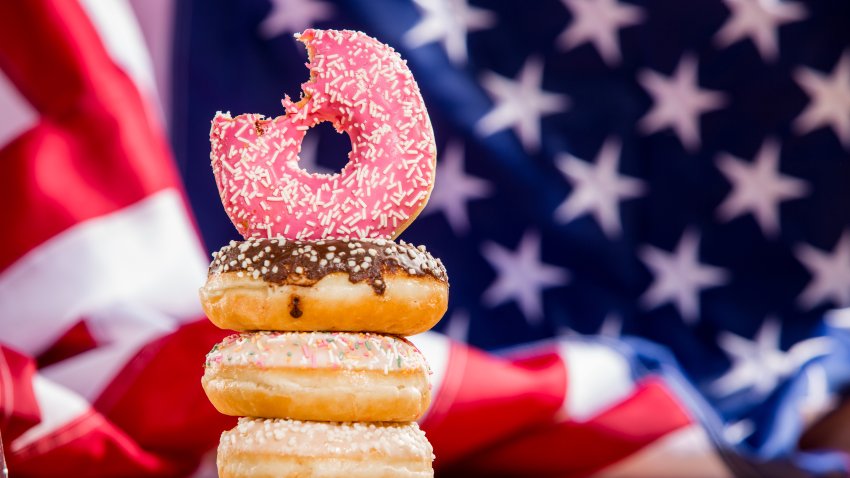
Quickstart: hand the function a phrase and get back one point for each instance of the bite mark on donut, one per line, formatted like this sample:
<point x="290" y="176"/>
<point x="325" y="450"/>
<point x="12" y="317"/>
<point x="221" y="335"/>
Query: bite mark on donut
<point x="294" y="309"/>
<point x="363" y="88"/>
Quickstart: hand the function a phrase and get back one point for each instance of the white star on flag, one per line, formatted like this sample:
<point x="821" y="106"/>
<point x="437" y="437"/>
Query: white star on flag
<point x="760" y="363"/>
<point x="521" y="276"/>
<point x="520" y="103"/>
<point x="294" y="16"/>
<point x="679" y="277"/>
<point x="736" y="433"/>
<point x="597" y="188"/>
<point x="758" y="187"/>
<point x="758" y="20"/>
<point x="597" y="22"/>
<point x="829" y="103"/>
<point x="454" y="188"/>
<point x="830" y="273"/>
<point x="838" y="318"/>
<point x="448" y="21"/>
<point x="678" y="102"/>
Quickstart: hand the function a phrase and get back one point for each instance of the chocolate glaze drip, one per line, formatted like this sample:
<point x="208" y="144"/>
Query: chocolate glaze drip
<point x="283" y="261"/>
<point x="294" y="311"/>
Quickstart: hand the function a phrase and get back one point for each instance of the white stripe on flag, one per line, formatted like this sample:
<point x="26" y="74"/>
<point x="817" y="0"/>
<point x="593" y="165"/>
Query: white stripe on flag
<point x="145" y="255"/>
<point x="18" y="114"/>
<point x="435" y="347"/>
<point x="684" y="452"/>
<point x="123" y="330"/>
<point x="58" y="407"/>
<point x="208" y="468"/>
<point x="122" y="38"/>
<point x="598" y="377"/>
<point x="838" y="318"/>
<point x="156" y="21"/>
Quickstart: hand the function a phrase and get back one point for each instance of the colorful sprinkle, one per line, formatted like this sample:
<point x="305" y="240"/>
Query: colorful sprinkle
<point x="364" y="351"/>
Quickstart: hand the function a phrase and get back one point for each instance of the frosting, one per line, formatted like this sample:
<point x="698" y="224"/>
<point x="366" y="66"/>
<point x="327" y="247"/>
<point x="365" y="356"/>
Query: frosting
<point x="306" y="262"/>
<point x="305" y="438"/>
<point x="365" y="89"/>
<point x="311" y="350"/>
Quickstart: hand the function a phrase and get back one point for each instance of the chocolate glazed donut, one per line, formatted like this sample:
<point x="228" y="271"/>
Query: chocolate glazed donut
<point x="372" y="285"/>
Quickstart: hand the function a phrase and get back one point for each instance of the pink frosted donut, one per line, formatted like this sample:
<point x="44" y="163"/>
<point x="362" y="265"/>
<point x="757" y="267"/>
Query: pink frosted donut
<point x="365" y="89"/>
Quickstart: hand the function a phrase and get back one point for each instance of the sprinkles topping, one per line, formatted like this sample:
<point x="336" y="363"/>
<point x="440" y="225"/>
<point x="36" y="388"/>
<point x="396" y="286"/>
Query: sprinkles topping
<point x="363" y="88"/>
<point x="336" y="350"/>
<point x="297" y="262"/>
<point x="305" y="438"/>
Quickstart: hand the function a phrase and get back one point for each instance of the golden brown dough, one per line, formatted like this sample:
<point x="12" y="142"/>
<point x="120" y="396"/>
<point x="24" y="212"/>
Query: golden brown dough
<point x="336" y="285"/>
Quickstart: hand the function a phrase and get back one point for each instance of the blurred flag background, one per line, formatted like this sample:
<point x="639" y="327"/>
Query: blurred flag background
<point x="643" y="207"/>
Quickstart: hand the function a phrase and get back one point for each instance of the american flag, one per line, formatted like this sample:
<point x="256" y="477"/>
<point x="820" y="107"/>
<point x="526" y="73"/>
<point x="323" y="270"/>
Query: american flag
<point x="642" y="206"/>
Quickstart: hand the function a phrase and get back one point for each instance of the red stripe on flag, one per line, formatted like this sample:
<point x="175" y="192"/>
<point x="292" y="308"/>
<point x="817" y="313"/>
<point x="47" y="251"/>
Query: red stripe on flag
<point x="158" y="399"/>
<point x="77" y="339"/>
<point x="18" y="406"/>
<point x="153" y="420"/>
<point x="484" y="399"/>
<point x="88" y="446"/>
<point x="94" y="150"/>
<point x="583" y="448"/>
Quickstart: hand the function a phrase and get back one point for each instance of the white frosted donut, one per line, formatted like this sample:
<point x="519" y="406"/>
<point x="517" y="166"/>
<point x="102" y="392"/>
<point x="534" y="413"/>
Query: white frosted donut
<point x="325" y="376"/>
<point x="267" y="448"/>
<point x="373" y="285"/>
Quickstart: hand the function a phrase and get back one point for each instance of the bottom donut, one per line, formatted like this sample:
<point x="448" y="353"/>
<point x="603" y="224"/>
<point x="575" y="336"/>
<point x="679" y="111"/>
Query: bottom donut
<point x="277" y="448"/>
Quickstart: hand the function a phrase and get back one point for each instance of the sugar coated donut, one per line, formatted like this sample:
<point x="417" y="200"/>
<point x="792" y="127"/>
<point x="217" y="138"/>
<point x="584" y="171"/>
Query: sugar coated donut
<point x="365" y="89"/>
<point x="321" y="376"/>
<point x="373" y="285"/>
<point x="265" y="448"/>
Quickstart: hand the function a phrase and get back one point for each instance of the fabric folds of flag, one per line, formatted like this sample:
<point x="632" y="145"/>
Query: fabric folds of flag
<point x="101" y="333"/>
<point x="100" y="260"/>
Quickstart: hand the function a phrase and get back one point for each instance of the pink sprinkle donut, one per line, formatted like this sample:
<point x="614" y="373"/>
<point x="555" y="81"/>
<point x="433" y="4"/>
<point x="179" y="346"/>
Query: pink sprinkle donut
<point x="363" y="88"/>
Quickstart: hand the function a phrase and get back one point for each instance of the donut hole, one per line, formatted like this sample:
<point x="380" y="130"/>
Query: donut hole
<point x="324" y="150"/>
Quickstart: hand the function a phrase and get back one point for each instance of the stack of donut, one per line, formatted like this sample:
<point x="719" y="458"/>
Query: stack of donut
<point x="320" y="295"/>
